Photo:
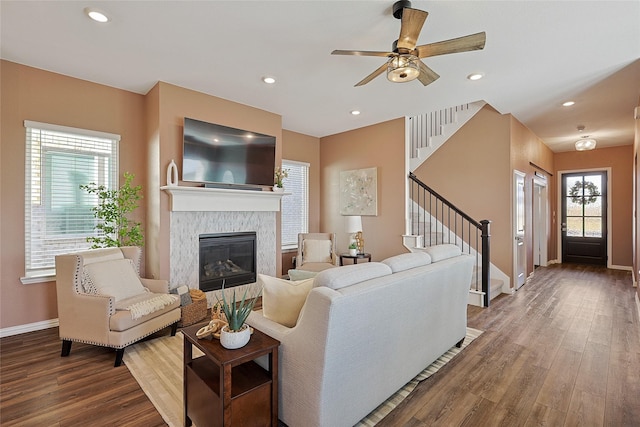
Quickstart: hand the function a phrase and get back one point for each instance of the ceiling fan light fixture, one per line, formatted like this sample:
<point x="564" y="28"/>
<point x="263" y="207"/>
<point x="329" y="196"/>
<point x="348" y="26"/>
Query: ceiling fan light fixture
<point x="585" y="144"/>
<point x="403" y="68"/>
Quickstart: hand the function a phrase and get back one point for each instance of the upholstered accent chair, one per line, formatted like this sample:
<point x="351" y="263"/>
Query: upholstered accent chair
<point x="316" y="251"/>
<point x="103" y="301"/>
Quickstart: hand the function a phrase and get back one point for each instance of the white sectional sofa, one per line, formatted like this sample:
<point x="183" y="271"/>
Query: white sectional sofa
<point x="365" y="330"/>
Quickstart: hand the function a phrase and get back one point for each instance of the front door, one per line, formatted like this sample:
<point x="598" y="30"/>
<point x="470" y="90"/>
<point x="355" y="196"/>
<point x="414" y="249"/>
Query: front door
<point x="584" y="218"/>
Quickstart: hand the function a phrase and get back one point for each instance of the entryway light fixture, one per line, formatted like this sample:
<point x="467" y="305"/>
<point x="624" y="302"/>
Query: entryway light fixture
<point x="96" y="15"/>
<point x="585" y="144"/>
<point x="403" y="68"/>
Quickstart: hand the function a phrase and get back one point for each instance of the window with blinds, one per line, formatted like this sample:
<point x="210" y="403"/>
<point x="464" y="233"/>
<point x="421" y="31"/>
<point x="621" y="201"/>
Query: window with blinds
<point x="295" y="206"/>
<point x="58" y="215"/>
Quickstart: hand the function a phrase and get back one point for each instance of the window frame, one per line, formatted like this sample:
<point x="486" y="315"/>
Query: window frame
<point x="286" y="164"/>
<point x="43" y="143"/>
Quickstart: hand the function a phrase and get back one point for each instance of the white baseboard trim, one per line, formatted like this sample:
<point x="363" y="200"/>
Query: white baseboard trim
<point x="638" y="304"/>
<point x="621" y="267"/>
<point x="29" y="327"/>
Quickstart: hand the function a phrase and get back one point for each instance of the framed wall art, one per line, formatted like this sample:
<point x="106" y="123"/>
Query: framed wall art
<point x="359" y="192"/>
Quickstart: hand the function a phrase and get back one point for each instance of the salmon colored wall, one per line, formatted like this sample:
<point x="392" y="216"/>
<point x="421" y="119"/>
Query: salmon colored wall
<point x="620" y="160"/>
<point x="527" y="148"/>
<point x="472" y="170"/>
<point x="636" y="180"/>
<point x="380" y="146"/>
<point x="304" y="148"/>
<point x="174" y="104"/>
<point x="32" y="94"/>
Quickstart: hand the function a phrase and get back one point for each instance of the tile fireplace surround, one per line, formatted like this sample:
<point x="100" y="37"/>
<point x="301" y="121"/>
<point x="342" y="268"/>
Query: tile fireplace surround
<point x="196" y="210"/>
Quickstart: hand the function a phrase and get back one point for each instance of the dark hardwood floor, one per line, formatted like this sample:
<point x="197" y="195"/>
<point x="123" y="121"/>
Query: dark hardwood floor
<point x="564" y="350"/>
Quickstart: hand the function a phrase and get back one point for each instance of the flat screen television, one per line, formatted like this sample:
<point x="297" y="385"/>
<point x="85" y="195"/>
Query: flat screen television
<point x="222" y="156"/>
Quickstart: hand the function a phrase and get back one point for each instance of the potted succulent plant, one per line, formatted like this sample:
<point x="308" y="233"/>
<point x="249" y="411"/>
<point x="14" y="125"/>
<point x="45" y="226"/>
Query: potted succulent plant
<point x="353" y="249"/>
<point x="236" y="333"/>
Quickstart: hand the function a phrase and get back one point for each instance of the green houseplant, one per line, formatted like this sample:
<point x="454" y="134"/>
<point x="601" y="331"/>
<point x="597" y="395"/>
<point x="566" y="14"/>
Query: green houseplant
<point x="353" y="249"/>
<point x="112" y="212"/>
<point x="236" y="333"/>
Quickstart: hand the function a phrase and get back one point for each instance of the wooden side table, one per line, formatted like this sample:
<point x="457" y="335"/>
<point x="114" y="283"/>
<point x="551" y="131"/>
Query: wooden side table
<point x="227" y="387"/>
<point x="355" y="258"/>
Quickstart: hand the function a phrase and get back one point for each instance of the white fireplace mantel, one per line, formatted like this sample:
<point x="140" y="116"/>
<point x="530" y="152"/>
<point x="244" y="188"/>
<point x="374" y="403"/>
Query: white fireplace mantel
<point x="199" y="199"/>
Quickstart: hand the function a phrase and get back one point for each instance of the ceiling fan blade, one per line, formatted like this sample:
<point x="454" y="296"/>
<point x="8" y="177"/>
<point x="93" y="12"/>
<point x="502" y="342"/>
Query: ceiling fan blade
<point x="412" y="22"/>
<point x="361" y="53"/>
<point x="461" y="44"/>
<point x="373" y="75"/>
<point x="427" y="75"/>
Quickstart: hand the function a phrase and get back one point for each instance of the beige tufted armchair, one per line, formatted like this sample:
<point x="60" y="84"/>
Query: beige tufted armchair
<point x="316" y="251"/>
<point x="103" y="301"/>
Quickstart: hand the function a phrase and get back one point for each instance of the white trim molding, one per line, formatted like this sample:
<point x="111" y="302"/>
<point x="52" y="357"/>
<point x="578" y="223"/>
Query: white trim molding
<point x="29" y="327"/>
<point x="199" y="199"/>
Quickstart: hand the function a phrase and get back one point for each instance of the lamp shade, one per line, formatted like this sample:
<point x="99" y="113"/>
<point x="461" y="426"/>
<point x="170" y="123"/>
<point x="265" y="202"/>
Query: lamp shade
<point x="353" y="224"/>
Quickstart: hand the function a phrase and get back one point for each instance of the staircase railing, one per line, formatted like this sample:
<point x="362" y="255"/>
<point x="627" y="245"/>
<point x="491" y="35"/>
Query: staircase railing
<point x="425" y="126"/>
<point x="452" y="225"/>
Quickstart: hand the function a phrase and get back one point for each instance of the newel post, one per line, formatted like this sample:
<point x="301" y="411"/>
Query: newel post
<point x="486" y="260"/>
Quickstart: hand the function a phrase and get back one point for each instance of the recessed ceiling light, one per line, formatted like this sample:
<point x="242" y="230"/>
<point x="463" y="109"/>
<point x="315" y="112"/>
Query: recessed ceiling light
<point x="475" y="76"/>
<point x="355" y="112"/>
<point x="96" y="15"/>
<point x="568" y="103"/>
<point x="268" y="80"/>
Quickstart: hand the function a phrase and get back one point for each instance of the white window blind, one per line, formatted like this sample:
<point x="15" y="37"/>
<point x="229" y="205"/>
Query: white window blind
<point x="58" y="216"/>
<point x="295" y="207"/>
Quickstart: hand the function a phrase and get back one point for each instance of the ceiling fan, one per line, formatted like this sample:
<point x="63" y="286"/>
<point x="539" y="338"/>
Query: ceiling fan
<point x="404" y="62"/>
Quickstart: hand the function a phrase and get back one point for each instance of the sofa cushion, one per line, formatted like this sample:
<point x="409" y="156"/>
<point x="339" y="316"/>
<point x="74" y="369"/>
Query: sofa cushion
<point x="316" y="250"/>
<point x="146" y="303"/>
<point x="116" y="278"/>
<point x="340" y="277"/>
<point x="283" y="299"/>
<point x="123" y="319"/>
<point x="407" y="261"/>
<point x="295" y="274"/>
<point x="442" y="252"/>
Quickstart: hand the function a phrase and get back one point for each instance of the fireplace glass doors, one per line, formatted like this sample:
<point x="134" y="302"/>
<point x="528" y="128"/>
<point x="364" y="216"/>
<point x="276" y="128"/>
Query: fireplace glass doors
<point x="227" y="258"/>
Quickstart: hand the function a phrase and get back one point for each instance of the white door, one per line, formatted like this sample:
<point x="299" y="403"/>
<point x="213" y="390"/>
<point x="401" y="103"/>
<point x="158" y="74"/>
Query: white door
<point x="519" y="252"/>
<point x="540" y="222"/>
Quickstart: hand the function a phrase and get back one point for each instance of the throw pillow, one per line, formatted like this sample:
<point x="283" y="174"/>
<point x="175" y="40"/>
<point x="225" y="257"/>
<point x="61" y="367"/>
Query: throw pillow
<point x="316" y="250"/>
<point x="116" y="278"/>
<point x="283" y="299"/>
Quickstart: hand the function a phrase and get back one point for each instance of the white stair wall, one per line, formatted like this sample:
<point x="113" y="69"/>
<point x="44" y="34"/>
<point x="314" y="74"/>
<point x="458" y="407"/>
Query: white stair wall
<point x="428" y="132"/>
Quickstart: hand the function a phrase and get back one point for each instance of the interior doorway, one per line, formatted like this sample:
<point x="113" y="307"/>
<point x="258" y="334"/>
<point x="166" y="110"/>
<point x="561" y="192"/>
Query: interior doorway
<point x="519" y="249"/>
<point x="540" y="221"/>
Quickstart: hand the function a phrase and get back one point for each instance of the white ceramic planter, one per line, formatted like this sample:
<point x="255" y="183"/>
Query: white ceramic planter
<point x="233" y="340"/>
<point x="277" y="189"/>
<point x="353" y="252"/>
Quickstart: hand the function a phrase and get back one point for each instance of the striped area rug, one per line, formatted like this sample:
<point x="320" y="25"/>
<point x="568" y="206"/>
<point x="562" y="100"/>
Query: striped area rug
<point x="157" y="366"/>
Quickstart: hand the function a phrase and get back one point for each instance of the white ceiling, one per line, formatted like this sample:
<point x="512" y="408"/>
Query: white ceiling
<point x="537" y="55"/>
